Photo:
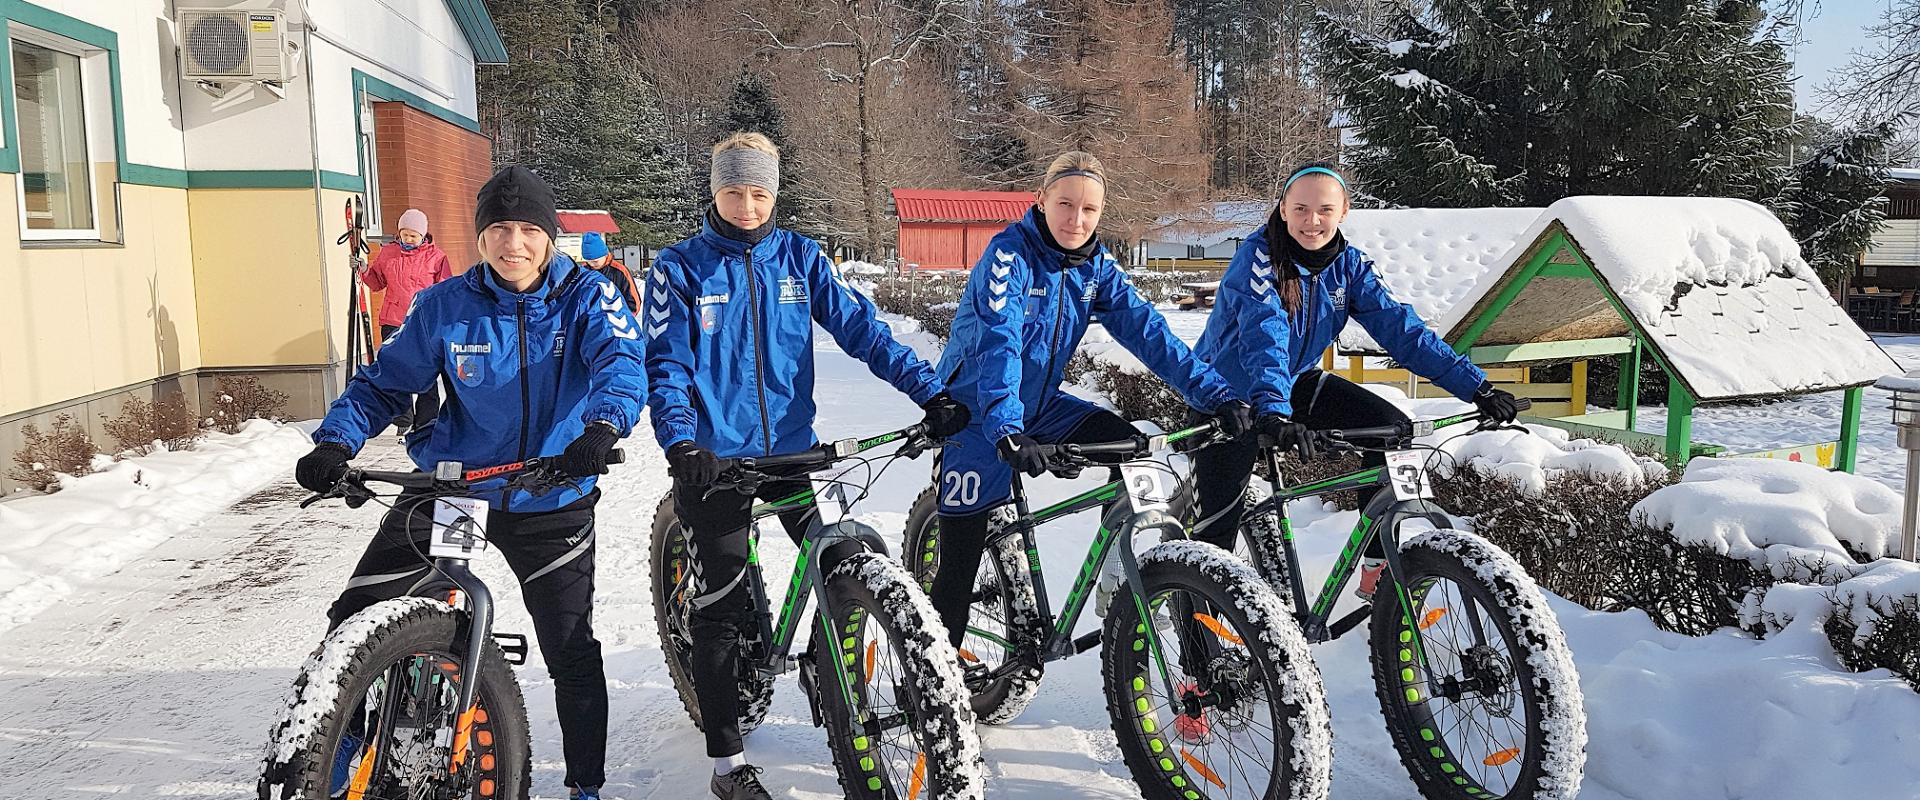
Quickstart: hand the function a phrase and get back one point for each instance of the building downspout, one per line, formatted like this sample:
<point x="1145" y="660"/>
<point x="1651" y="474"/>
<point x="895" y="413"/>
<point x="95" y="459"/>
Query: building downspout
<point x="328" y="375"/>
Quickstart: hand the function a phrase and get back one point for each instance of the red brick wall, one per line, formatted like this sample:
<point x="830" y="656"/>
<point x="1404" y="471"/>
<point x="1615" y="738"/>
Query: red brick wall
<point x="435" y="166"/>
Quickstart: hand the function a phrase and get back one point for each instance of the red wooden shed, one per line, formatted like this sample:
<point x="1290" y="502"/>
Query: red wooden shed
<point x="946" y="229"/>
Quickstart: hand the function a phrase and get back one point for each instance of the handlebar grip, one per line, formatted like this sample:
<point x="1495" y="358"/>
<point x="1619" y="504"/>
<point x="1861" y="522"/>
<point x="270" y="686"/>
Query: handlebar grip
<point x="616" y="456"/>
<point x="1523" y="403"/>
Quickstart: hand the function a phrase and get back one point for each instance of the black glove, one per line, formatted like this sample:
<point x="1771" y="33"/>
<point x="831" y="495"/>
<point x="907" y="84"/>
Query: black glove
<point x="692" y="464"/>
<point x="1022" y="453"/>
<point x="1288" y="435"/>
<point x="1495" y="404"/>
<point x="322" y="469"/>
<point x="945" y="416"/>
<point x="588" y="453"/>
<point x="1235" y="416"/>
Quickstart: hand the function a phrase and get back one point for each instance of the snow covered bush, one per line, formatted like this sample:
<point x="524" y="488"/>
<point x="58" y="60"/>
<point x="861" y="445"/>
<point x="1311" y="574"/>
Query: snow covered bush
<point x="142" y="427"/>
<point x="930" y="300"/>
<point x="63" y="450"/>
<point x="1870" y="617"/>
<point x="238" y="398"/>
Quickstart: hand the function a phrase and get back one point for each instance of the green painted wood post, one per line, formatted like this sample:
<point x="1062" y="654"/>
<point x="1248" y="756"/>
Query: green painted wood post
<point x="1679" y="423"/>
<point x="1627" y="396"/>
<point x="1847" y="455"/>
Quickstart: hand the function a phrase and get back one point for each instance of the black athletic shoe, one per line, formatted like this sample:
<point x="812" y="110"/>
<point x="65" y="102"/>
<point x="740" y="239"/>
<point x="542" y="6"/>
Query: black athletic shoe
<point x="743" y="783"/>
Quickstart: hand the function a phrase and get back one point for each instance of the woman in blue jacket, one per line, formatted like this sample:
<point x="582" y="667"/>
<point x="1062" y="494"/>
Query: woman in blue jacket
<point x="539" y="356"/>
<point x="730" y="316"/>
<point x="1289" y="291"/>
<point x="1022" y="315"/>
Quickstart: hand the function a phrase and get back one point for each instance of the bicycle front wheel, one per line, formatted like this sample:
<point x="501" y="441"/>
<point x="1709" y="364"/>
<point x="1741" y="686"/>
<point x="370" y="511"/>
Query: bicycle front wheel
<point x="888" y="687"/>
<point x="1486" y="702"/>
<point x="1210" y="684"/>
<point x="373" y="714"/>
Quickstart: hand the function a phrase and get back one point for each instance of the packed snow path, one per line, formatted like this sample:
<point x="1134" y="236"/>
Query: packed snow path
<point x="160" y="680"/>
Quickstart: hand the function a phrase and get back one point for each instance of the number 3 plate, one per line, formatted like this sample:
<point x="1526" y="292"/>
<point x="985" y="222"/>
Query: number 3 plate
<point x="1407" y="471"/>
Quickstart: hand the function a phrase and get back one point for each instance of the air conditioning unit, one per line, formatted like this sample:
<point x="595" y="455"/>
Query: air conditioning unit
<point x="233" y="45"/>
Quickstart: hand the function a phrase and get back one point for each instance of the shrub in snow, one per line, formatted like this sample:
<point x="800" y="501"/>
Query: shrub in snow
<point x="928" y="300"/>
<point x="1782" y="516"/>
<point x="1871" y="617"/>
<point x="238" y="398"/>
<point x="142" y="427"/>
<point x="63" y="450"/>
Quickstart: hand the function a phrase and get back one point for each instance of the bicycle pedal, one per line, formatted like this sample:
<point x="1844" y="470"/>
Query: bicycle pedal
<point x="514" y="645"/>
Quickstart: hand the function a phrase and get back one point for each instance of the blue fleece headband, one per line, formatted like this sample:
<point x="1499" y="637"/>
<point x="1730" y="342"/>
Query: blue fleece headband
<point x="1309" y="171"/>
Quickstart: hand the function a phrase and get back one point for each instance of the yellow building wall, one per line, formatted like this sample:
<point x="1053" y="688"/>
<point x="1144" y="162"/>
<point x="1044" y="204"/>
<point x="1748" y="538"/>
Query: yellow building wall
<point x="80" y="320"/>
<point x="258" y="295"/>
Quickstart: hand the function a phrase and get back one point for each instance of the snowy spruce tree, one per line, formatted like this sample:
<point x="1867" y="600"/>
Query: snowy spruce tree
<point x="1523" y="102"/>
<point x="1838" y="199"/>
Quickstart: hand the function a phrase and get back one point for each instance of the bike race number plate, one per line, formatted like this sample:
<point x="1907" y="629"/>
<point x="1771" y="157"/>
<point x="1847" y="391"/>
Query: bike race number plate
<point x="1149" y="484"/>
<point x="459" y="527"/>
<point x="830" y="496"/>
<point x="1407" y="471"/>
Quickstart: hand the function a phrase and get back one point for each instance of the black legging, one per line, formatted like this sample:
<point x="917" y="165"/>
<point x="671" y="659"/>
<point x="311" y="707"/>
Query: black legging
<point x="963" y="539"/>
<point x="1321" y="400"/>
<point x="719" y="541"/>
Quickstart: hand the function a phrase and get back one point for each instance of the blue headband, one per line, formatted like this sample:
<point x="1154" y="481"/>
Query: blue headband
<point x="1309" y="171"/>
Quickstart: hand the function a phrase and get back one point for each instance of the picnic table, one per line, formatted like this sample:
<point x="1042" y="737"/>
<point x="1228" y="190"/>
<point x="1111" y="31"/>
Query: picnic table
<point x="1199" y="294"/>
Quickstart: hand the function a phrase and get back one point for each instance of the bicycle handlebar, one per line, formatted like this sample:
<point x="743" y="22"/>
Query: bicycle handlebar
<point x="745" y="474"/>
<point x="1071" y="457"/>
<point x="1341" y="439"/>
<point x="533" y="475"/>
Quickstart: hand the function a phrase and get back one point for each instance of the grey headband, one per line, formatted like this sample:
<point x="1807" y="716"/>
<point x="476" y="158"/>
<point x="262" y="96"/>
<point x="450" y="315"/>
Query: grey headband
<point x="744" y="167"/>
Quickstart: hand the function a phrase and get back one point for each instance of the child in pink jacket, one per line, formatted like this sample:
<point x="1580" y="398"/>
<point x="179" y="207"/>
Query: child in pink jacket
<point x="409" y="263"/>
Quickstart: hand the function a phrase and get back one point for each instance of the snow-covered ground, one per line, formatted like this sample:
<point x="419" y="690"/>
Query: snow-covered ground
<point x="160" y="679"/>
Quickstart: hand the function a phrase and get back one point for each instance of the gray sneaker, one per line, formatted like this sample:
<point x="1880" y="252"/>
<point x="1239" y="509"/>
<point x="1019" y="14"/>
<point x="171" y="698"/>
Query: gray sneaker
<point x="741" y="784"/>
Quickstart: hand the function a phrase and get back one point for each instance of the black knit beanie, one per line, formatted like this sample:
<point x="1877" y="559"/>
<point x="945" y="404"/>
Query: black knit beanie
<point x="515" y="194"/>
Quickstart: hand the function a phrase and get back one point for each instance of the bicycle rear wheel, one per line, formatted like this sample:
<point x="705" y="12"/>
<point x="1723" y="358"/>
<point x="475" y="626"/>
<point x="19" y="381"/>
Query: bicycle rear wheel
<point x="373" y="713"/>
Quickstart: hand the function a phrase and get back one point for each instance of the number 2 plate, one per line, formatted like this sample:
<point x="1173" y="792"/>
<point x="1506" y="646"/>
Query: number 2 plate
<point x="1407" y="471"/>
<point x="1148" y="484"/>
<point x="459" y="527"/>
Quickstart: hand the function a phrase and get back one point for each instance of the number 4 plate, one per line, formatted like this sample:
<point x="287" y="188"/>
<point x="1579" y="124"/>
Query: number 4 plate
<point x="1407" y="471"/>
<point x="1148" y="483"/>
<point x="459" y="527"/>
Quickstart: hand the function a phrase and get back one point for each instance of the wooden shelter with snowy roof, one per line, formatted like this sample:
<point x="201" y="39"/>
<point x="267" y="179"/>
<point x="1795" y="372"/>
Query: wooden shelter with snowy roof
<point x="1713" y="290"/>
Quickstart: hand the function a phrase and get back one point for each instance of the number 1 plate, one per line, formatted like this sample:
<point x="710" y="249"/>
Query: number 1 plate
<point x="1407" y="471"/>
<point x="459" y="527"/>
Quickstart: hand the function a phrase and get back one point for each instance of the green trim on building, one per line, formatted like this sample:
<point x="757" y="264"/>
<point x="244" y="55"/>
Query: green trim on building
<point x="477" y="25"/>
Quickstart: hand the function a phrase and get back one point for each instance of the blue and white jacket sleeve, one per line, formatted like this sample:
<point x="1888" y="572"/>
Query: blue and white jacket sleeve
<point x="612" y="346"/>
<point x="1250" y="291"/>
<point x="669" y="328"/>
<point x="1137" y="326"/>
<point x="855" y="324"/>
<point x="1397" y="327"/>
<point x="408" y="364"/>
<point x="997" y="295"/>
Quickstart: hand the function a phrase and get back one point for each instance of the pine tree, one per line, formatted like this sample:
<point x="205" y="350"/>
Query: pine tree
<point x="1523" y="102"/>
<point x="1838" y="199"/>
<point x="994" y="153"/>
<point x="598" y="139"/>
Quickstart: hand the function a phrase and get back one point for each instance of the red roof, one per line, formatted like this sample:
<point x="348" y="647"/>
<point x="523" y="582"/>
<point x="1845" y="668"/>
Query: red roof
<point x="585" y="221"/>
<point x="943" y="205"/>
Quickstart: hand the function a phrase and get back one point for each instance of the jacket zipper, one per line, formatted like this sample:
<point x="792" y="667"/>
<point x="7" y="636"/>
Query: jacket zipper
<point x="1059" y="321"/>
<point x="1307" y="303"/>
<point x="526" y="391"/>
<point x="759" y="365"/>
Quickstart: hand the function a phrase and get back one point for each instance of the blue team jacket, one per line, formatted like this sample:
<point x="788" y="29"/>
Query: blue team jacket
<point x="1261" y="350"/>
<point x="524" y="374"/>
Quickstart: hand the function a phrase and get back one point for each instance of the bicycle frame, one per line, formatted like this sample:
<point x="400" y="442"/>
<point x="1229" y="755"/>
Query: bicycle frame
<point x="1121" y="525"/>
<point x="1381" y="516"/>
<point x="808" y="581"/>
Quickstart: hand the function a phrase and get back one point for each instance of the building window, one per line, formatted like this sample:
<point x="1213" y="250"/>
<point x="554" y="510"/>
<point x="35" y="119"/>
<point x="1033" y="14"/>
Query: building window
<point x="56" y="175"/>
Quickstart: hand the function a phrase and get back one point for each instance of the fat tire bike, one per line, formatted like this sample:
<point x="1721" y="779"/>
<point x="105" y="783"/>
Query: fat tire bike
<point x="878" y="672"/>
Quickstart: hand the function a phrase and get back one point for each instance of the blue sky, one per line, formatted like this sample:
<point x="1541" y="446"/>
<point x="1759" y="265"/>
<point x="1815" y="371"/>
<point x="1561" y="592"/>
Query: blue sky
<point x="1838" y="27"/>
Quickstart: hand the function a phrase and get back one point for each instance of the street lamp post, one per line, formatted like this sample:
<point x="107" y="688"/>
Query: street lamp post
<point x="1906" y="419"/>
